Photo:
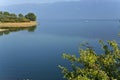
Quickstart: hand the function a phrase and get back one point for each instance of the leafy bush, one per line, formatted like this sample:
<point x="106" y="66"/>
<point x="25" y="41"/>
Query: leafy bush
<point x="105" y="66"/>
<point x="10" y="17"/>
<point x="31" y="16"/>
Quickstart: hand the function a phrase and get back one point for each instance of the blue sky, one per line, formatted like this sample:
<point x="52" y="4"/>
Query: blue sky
<point x="11" y="2"/>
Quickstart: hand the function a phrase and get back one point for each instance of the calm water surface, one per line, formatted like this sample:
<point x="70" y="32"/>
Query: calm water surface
<point x="35" y="55"/>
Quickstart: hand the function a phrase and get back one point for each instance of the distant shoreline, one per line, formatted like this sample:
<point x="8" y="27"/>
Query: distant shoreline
<point x="18" y="24"/>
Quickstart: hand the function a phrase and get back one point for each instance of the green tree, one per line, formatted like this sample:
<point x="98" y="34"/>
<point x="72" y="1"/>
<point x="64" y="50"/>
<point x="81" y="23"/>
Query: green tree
<point x="1" y="12"/>
<point x="31" y="16"/>
<point x="13" y="15"/>
<point x="20" y="15"/>
<point x="6" y="13"/>
<point x="91" y="66"/>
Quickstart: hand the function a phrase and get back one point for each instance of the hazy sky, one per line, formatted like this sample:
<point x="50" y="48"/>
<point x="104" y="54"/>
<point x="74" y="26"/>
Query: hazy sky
<point x="10" y="2"/>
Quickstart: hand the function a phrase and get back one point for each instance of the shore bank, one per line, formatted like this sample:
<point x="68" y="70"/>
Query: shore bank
<point x="19" y="24"/>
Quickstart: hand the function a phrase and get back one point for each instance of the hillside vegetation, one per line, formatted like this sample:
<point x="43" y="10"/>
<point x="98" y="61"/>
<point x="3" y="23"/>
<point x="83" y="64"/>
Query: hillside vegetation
<point x="11" y="17"/>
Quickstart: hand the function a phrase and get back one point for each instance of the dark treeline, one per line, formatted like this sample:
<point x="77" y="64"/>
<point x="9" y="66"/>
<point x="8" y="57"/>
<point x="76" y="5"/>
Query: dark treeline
<point x="11" y="17"/>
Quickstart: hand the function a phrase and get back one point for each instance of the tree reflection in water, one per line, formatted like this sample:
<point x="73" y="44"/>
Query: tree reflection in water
<point x="8" y="30"/>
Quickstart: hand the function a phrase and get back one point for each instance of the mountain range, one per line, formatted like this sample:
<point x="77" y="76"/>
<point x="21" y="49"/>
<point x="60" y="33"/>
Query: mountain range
<point x="70" y="10"/>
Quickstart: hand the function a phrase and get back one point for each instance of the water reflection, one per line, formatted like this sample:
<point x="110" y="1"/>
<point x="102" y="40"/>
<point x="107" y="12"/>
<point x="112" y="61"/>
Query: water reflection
<point x="25" y="56"/>
<point x="8" y="30"/>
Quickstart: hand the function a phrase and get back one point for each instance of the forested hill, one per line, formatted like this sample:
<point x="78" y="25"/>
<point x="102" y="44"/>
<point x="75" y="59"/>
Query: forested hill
<point x="11" y="17"/>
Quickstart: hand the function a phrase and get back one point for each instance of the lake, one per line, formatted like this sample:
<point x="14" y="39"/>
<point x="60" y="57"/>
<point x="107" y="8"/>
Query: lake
<point x="36" y="54"/>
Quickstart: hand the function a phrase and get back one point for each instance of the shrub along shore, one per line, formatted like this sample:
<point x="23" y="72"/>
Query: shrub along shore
<point x="12" y="20"/>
